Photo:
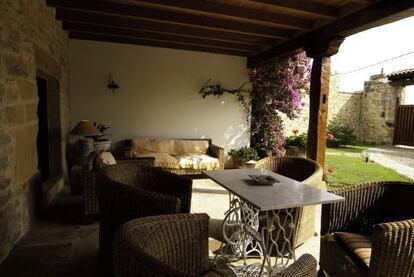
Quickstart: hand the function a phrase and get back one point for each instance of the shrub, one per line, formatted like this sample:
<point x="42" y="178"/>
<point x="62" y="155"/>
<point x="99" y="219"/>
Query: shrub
<point x="297" y="140"/>
<point x="342" y="135"/>
<point x="245" y="154"/>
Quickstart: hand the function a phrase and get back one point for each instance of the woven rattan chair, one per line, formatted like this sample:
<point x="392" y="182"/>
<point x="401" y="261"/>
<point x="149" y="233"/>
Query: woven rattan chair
<point x="127" y="191"/>
<point x="175" y="245"/>
<point x="303" y="170"/>
<point x="371" y="233"/>
<point x="88" y="180"/>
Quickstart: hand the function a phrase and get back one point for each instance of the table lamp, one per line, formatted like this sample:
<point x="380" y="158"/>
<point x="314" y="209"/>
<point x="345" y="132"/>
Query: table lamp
<point x="84" y="145"/>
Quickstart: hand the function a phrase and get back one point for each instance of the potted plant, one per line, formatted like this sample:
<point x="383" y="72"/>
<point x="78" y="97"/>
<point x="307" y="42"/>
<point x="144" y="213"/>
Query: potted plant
<point x="244" y="157"/>
<point x="101" y="142"/>
<point x="295" y="144"/>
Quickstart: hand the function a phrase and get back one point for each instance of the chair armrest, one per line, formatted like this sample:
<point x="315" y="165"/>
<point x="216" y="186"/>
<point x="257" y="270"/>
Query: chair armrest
<point x="88" y="185"/>
<point x="165" y="204"/>
<point x="119" y="203"/>
<point x="304" y="266"/>
<point x="392" y="249"/>
<point x="172" y="184"/>
<point x="173" y="245"/>
<point x="359" y="201"/>
<point x="146" y="161"/>
<point x="127" y="202"/>
<point x="217" y="152"/>
<point x="90" y="195"/>
<point x="316" y="178"/>
<point x="268" y="163"/>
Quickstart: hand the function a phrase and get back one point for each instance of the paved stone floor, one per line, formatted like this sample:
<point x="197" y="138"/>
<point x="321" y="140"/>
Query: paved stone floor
<point x="399" y="158"/>
<point x="61" y="244"/>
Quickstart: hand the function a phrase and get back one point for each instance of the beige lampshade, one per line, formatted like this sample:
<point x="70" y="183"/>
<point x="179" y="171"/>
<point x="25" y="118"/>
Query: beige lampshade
<point x="85" y="128"/>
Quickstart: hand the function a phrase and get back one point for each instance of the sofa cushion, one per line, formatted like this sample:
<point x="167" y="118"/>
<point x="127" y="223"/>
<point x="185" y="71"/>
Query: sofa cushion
<point x="191" y="146"/>
<point x="197" y="161"/>
<point x="145" y="146"/>
<point x="360" y="245"/>
<point x="161" y="159"/>
<point x="104" y="159"/>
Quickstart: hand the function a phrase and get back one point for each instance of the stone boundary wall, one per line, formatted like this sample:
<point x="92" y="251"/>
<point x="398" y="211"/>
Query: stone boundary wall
<point x="31" y="40"/>
<point x="369" y="112"/>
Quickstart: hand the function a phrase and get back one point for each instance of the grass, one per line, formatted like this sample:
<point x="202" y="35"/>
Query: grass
<point x="352" y="169"/>
<point x="349" y="149"/>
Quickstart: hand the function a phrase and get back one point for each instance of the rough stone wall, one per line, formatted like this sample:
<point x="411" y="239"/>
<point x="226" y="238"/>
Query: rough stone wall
<point x="344" y="107"/>
<point x="369" y="112"/>
<point x="377" y="111"/>
<point x="31" y="41"/>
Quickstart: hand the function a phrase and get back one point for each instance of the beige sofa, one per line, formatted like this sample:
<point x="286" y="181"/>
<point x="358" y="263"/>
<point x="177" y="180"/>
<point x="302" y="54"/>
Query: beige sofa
<point x="181" y="156"/>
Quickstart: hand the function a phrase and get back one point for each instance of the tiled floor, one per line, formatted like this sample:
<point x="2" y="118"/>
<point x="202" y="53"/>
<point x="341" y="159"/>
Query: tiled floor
<point x="62" y="245"/>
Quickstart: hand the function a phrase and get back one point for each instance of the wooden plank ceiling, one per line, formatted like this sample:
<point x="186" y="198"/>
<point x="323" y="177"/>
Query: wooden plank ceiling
<point x="233" y="27"/>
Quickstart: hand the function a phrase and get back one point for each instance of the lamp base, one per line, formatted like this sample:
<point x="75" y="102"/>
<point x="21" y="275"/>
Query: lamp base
<point x="84" y="146"/>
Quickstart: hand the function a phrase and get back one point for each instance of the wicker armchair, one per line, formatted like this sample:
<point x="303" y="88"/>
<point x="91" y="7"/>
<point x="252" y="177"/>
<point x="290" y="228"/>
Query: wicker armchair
<point x="88" y="180"/>
<point x="303" y="170"/>
<point x="305" y="266"/>
<point x="371" y="233"/>
<point x="175" y="245"/>
<point x="127" y="191"/>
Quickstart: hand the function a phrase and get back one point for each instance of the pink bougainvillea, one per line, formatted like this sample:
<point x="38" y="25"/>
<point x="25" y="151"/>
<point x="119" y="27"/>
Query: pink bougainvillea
<point x="278" y="87"/>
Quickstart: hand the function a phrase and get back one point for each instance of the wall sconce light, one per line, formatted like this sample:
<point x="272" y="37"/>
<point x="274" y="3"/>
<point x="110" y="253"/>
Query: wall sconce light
<point x="112" y="85"/>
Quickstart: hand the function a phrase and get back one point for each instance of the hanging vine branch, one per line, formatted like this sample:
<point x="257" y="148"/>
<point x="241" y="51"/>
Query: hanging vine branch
<point x="242" y="94"/>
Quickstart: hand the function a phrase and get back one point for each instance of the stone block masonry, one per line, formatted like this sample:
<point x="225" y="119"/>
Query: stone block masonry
<point x="31" y="41"/>
<point x="369" y="112"/>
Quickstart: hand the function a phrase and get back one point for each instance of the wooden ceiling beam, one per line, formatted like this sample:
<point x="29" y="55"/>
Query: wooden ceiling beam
<point x="304" y="7"/>
<point x="362" y="1"/>
<point x="239" y="12"/>
<point x="139" y="24"/>
<point x="377" y="14"/>
<point x="155" y="43"/>
<point x="380" y="13"/>
<point x="112" y="8"/>
<point x="140" y="34"/>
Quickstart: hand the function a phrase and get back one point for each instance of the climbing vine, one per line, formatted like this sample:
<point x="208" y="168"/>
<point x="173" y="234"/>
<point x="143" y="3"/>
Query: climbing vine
<point x="242" y="94"/>
<point x="278" y="87"/>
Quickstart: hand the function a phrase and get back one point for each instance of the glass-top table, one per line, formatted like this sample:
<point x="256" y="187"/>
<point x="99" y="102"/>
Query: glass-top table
<point x="278" y="203"/>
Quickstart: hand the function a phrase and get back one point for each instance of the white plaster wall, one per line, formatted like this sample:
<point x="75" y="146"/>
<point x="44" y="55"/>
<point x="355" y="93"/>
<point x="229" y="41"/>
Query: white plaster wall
<point x="158" y="94"/>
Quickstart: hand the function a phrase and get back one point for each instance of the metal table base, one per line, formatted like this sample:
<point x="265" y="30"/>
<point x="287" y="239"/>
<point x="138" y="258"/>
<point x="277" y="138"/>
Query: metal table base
<point x="242" y="235"/>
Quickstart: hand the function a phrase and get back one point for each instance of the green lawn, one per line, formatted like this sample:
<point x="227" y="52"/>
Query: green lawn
<point x="353" y="169"/>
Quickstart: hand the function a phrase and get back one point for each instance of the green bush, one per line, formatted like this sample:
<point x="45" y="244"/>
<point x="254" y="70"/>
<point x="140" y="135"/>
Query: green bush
<point x="342" y="135"/>
<point x="245" y="154"/>
<point x="297" y="140"/>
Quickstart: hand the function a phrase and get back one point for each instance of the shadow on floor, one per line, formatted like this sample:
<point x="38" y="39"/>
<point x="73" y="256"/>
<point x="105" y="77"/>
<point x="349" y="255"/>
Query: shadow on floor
<point x="59" y="244"/>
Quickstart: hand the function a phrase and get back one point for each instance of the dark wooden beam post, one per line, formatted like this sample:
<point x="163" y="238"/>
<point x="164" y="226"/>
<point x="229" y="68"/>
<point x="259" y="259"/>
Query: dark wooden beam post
<point x="320" y="50"/>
